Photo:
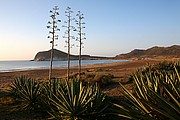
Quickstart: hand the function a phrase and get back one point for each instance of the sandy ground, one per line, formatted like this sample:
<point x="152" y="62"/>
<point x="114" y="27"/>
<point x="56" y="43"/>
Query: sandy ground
<point x="121" y="70"/>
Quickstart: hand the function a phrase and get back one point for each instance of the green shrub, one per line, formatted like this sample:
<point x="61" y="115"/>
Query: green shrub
<point x="156" y="96"/>
<point x="72" y="100"/>
<point x="61" y="99"/>
<point x="26" y="92"/>
<point x="49" y="91"/>
<point x="157" y="69"/>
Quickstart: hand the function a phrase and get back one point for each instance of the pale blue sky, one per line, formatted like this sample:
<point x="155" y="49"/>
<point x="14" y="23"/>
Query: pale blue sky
<point x="112" y="26"/>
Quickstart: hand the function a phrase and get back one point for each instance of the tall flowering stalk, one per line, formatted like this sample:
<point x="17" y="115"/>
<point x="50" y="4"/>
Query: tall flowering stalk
<point x="80" y="37"/>
<point x="68" y="35"/>
<point x="52" y="25"/>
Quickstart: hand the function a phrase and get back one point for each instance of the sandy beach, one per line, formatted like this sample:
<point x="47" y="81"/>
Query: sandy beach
<point x="121" y="70"/>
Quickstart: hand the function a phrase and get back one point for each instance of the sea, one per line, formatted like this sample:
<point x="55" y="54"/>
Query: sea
<point x="19" y="65"/>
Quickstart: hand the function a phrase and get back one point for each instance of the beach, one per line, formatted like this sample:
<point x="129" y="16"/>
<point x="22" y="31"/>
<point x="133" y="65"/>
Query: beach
<point x="121" y="70"/>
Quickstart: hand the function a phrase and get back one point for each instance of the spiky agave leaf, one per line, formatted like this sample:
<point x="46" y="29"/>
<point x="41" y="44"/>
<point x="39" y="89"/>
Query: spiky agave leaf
<point x="135" y="110"/>
<point x="76" y="101"/>
<point x="163" y="106"/>
<point x="27" y="92"/>
<point x="67" y="100"/>
<point x="49" y="90"/>
<point x="17" y="85"/>
<point x="156" y="93"/>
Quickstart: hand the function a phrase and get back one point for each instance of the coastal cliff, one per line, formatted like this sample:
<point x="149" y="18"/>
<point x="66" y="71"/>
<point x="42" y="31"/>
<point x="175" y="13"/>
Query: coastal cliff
<point x="60" y="55"/>
<point x="154" y="52"/>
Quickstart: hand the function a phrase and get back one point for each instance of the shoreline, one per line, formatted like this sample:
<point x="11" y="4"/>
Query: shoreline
<point x="121" y="70"/>
<point x="56" y="65"/>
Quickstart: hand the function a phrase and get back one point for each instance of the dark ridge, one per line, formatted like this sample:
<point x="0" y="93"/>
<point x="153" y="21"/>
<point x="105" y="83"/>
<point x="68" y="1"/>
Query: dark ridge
<point x="152" y="52"/>
<point x="60" y="55"/>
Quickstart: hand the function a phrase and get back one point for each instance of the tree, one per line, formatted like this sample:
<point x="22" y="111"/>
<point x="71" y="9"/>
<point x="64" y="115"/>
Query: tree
<point x="80" y="38"/>
<point x="68" y="13"/>
<point x="52" y="25"/>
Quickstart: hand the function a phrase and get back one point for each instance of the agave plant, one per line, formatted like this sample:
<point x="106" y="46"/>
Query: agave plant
<point x="157" y="96"/>
<point x="49" y="90"/>
<point x="26" y="92"/>
<point x="73" y="101"/>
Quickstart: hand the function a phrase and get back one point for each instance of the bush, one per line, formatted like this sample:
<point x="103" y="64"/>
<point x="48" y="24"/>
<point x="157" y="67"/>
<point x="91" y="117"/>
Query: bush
<point x="102" y="79"/>
<point x="26" y="92"/>
<point x="72" y="100"/>
<point x="61" y="99"/>
<point x="156" y="96"/>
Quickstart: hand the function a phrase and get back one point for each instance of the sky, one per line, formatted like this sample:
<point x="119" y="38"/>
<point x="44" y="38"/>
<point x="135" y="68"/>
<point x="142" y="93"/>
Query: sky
<point x="112" y="26"/>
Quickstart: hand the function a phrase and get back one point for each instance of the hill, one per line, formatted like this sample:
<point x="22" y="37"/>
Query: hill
<point x="60" y="55"/>
<point x="172" y="51"/>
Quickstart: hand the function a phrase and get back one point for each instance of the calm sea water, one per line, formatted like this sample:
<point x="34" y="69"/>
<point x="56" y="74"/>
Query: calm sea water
<point x="8" y="66"/>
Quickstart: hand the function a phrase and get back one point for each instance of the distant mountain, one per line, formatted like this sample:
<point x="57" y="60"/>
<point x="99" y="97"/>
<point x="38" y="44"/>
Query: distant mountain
<point x="172" y="51"/>
<point x="152" y="52"/>
<point x="60" y="55"/>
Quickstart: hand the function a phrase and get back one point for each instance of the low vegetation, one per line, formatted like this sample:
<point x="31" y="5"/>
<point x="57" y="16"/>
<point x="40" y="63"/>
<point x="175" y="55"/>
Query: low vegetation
<point x="75" y="101"/>
<point x="26" y="93"/>
<point x="61" y="99"/>
<point x="98" y="77"/>
<point x="156" y="96"/>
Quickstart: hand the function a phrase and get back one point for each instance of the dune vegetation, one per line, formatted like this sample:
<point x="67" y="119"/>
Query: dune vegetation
<point x="156" y="95"/>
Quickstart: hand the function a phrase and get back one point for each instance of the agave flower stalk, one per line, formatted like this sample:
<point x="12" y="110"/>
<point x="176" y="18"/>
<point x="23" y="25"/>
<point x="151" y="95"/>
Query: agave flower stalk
<point x="68" y="35"/>
<point x="52" y="25"/>
<point x="80" y="38"/>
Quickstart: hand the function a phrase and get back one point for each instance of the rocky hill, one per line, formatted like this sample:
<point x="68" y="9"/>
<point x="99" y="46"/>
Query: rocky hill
<point x="172" y="51"/>
<point x="60" y="55"/>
